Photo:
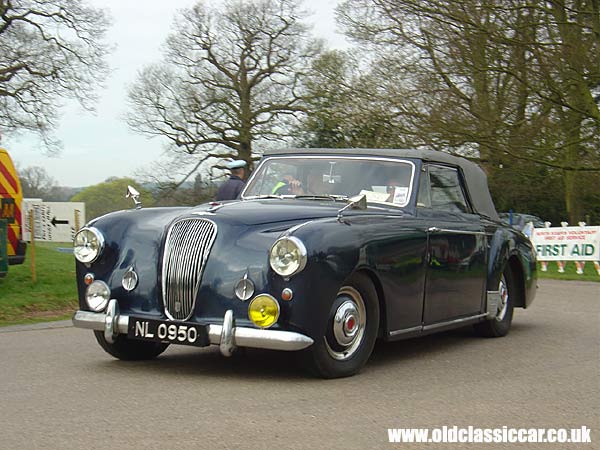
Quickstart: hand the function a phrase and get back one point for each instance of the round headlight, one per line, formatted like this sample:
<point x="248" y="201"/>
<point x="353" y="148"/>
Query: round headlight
<point x="88" y="244"/>
<point x="97" y="295"/>
<point x="263" y="310"/>
<point x="288" y="256"/>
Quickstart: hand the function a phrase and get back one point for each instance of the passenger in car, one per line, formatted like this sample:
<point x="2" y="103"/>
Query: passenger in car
<point x="288" y="185"/>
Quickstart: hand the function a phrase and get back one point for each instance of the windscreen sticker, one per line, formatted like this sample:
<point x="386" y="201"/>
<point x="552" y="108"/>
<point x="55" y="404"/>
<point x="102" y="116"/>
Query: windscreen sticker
<point x="400" y="195"/>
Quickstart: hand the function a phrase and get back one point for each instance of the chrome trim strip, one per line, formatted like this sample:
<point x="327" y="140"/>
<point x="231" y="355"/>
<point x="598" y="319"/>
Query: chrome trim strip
<point x="454" y="322"/>
<point x="242" y="336"/>
<point x="359" y="158"/>
<point x="297" y="227"/>
<point x="405" y="330"/>
<point x="447" y="230"/>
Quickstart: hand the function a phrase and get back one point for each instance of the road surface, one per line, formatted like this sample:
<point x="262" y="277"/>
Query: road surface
<point x="60" y="391"/>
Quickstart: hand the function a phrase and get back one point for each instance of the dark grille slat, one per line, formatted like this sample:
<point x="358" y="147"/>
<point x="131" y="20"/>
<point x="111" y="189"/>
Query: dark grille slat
<point x="187" y="247"/>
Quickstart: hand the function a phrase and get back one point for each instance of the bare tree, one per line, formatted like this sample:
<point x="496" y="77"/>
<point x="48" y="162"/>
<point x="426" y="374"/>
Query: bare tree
<point x="49" y="50"/>
<point x="230" y="77"/>
<point x="497" y="79"/>
<point x="37" y="183"/>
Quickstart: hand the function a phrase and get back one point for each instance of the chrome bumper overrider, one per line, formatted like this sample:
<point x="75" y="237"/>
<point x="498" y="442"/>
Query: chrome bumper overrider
<point x="227" y="336"/>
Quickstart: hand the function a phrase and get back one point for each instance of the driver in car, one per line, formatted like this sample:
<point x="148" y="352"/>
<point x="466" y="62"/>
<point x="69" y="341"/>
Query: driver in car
<point x="288" y="185"/>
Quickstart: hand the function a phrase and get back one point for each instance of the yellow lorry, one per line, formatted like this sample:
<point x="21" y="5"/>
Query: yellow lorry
<point x="11" y="197"/>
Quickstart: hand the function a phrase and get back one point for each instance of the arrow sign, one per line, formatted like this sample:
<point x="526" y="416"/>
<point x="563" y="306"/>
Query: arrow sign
<point x="55" y="222"/>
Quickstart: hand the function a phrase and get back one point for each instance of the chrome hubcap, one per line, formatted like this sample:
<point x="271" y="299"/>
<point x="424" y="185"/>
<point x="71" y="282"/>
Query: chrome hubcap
<point x="503" y="304"/>
<point x="345" y="323"/>
<point x="348" y="325"/>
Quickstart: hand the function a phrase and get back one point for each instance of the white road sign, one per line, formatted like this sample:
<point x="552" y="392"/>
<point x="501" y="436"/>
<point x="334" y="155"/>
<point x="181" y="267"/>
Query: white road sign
<point x="53" y="221"/>
<point x="567" y="243"/>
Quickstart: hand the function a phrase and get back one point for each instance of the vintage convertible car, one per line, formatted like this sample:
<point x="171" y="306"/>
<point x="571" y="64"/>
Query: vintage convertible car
<point x="326" y="251"/>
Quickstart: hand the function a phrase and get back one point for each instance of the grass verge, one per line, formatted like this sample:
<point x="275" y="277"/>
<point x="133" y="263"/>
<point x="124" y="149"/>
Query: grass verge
<point x="52" y="297"/>
<point x="589" y="272"/>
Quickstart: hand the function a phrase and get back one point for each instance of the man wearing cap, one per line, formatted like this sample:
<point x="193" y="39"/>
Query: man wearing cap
<point x="231" y="189"/>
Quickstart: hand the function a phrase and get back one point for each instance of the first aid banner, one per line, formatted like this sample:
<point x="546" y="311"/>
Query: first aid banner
<point x="567" y="243"/>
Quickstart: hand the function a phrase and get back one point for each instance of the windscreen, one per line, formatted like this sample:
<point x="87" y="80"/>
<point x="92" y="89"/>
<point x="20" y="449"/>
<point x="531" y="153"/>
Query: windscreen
<point x="381" y="180"/>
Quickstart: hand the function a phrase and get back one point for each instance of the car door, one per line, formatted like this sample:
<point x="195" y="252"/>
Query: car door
<point x="456" y="248"/>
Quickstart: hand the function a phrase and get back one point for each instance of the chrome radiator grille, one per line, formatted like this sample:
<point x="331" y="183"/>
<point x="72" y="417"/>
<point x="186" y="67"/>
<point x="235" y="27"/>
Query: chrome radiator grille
<point x="187" y="248"/>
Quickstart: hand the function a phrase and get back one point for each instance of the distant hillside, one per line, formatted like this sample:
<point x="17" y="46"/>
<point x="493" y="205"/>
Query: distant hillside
<point x="66" y="193"/>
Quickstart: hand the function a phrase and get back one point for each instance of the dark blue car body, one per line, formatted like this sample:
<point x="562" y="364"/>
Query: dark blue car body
<point x="430" y="270"/>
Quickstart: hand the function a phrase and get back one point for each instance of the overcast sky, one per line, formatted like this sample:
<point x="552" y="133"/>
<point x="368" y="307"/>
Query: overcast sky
<point x="100" y="145"/>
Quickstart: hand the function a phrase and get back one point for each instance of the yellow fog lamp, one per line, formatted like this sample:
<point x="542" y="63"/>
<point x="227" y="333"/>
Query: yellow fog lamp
<point x="263" y="311"/>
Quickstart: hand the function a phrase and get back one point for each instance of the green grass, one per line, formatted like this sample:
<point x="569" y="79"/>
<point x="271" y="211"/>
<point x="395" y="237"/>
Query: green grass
<point x="589" y="272"/>
<point x="52" y="297"/>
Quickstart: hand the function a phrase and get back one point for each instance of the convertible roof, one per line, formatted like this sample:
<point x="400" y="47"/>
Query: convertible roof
<point x="475" y="177"/>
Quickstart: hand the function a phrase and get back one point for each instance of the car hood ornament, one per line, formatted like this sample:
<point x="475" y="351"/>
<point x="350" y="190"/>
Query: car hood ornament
<point x="135" y="195"/>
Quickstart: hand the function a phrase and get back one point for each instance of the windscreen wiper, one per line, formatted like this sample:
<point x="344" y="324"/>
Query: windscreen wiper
<point x="258" y="197"/>
<point x="323" y="197"/>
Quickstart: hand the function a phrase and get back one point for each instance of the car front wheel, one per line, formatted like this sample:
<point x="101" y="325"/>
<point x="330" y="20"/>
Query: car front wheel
<point x="351" y="331"/>
<point x="129" y="349"/>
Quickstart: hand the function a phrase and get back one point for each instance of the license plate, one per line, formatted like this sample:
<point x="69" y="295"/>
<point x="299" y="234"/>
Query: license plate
<point x="171" y="332"/>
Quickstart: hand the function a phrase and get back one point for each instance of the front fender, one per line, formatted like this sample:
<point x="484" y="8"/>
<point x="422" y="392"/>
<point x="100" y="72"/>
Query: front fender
<point x="332" y="258"/>
<point x="392" y="249"/>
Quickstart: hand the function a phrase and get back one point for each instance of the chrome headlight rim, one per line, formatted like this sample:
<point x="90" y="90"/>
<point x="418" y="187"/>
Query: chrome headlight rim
<point x="100" y="306"/>
<point x="101" y="244"/>
<point x="301" y="263"/>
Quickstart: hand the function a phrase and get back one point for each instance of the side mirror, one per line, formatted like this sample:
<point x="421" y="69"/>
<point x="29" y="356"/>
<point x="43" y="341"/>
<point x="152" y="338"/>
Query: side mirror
<point x="135" y="195"/>
<point x="356" y="202"/>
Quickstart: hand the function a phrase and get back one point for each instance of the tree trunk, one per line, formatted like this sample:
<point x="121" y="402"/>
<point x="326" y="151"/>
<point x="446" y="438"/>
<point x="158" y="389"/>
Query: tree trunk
<point x="571" y="177"/>
<point x="572" y="197"/>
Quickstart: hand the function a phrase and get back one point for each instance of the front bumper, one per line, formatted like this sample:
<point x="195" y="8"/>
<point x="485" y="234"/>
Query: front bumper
<point x="226" y="336"/>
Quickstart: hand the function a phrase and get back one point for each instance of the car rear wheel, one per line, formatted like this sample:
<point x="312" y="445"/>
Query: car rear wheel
<point x="499" y="325"/>
<point x="351" y="331"/>
<point x="129" y="349"/>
